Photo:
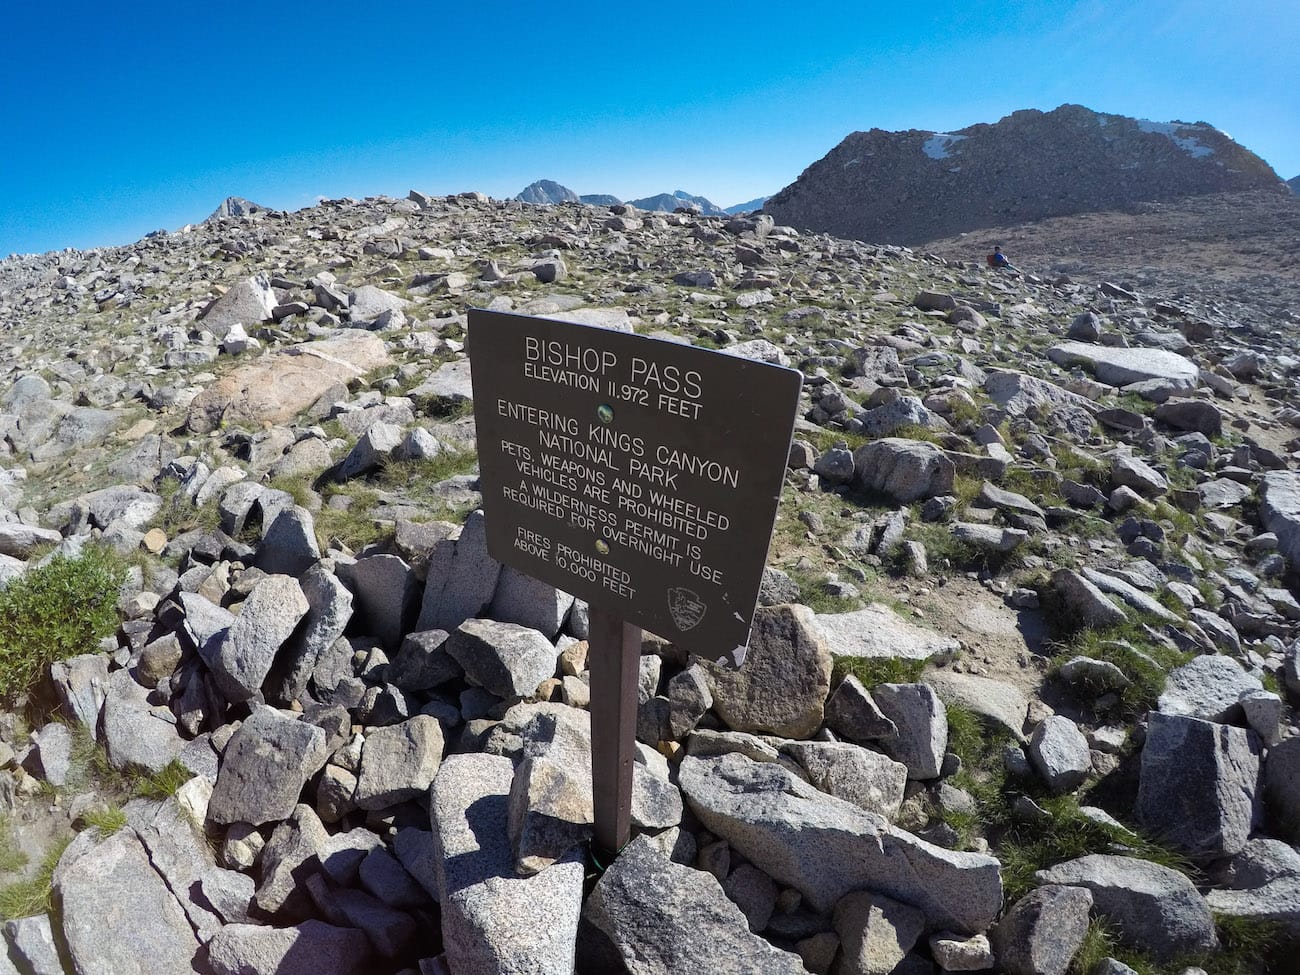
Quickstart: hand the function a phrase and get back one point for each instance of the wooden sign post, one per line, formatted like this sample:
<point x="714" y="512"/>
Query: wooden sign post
<point x="641" y="476"/>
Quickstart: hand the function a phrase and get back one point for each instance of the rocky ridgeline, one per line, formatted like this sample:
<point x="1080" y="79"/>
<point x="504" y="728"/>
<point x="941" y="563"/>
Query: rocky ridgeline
<point x="914" y="186"/>
<point x="385" y="732"/>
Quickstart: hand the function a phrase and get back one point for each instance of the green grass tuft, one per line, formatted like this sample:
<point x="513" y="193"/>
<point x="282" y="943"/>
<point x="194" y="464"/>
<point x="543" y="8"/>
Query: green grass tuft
<point x="877" y="670"/>
<point x="32" y="896"/>
<point x="161" y="785"/>
<point x="11" y="857"/>
<point x="55" y="611"/>
<point x="107" y="821"/>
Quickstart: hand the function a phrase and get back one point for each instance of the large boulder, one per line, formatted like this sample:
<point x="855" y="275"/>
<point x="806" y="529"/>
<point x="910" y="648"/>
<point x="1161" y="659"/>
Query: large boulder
<point x="264" y="767"/>
<point x="248" y="302"/>
<point x="782" y="686"/>
<point x="855" y="774"/>
<point x="505" y="659"/>
<point x="308" y="948"/>
<point x="826" y="847"/>
<point x="1151" y="907"/>
<point x="1060" y="753"/>
<point x="665" y="919"/>
<point x="494" y="922"/>
<point x="1043" y="931"/>
<point x="1209" y="687"/>
<point x="119" y="917"/>
<point x="277" y="387"/>
<point x="241" y="658"/>
<point x="461" y="577"/>
<point x="905" y="470"/>
<point x="1198" y="789"/>
<point x="398" y="762"/>
<point x="922" y="722"/>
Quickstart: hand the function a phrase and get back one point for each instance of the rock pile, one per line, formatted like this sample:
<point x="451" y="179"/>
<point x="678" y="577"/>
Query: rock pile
<point x="383" y="734"/>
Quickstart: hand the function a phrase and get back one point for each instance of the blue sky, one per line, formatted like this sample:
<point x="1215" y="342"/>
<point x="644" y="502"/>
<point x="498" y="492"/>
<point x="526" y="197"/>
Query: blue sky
<point x="118" y="119"/>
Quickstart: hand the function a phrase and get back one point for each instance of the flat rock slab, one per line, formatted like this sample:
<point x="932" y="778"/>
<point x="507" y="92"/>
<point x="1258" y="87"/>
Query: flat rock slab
<point x="826" y="847"/>
<point x="1119" y="367"/>
<point x="119" y="917"/>
<point x="494" y="922"/>
<point x="1018" y="393"/>
<point x="877" y="631"/>
<point x="309" y="948"/>
<point x="1208" y="687"/>
<point x="666" y="919"/>
<point x="277" y="387"/>
<point x="993" y="699"/>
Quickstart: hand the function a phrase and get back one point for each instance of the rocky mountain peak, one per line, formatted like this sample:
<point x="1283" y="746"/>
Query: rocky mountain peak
<point x="916" y="185"/>
<point x="546" y="192"/>
<point x="236" y="206"/>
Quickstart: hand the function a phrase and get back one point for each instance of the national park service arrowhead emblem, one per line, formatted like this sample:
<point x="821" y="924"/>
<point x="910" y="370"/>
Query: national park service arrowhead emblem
<point x="686" y="606"/>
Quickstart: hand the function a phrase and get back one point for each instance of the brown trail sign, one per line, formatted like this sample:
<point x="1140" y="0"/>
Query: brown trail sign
<point x="640" y="475"/>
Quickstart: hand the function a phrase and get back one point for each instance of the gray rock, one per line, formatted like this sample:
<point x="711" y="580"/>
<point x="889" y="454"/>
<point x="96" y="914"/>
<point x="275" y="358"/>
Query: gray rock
<point x="782" y="686"/>
<point x="308" y="948"/>
<point x="505" y="659"/>
<point x="1085" y="602"/>
<point x="663" y="918"/>
<point x="955" y="953"/>
<point x="1093" y="676"/>
<point x="550" y="813"/>
<point x="1020" y="394"/>
<point x="399" y="762"/>
<point x="906" y="411"/>
<point x="1209" y="687"/>
<point x="1130" y="594"/>
<point x="264" y="767"/>
<point x="1119" y="367"/>
<point x="1279" y="511"/>
<point x="753" y="891"/>
<point x="461" y="578"/>
<point x="906" y="470"/>
<point x="241" y="658"/>
<point x="81" y="683"/>
<point x="1265" y="885"/>
<point x="137" y="735"/>
<point x="852" y="713"/>
<point x="922" y="722"/>
<point x="53" y="750"/>
<point x="368" y="303"/>
<point x="371" y="450"/>
<point x="119" y="917"/>
<point x="877" y="631"/>
<point x="329" y="607"/>
<point x="521" y="599"/>
<point x="414" y="850"/>
<point x="1060" y="753"/>
<point x="1282" y="787"/>
<point x="494" y="922"/>
<point x="1043" y="931"/>
<point x="996" y="700"/>
<point x="876" y="933"/>
<point x="1151" y="907"/>
<point x="689" y="699"/>
<point x="32" y="945"/>
<point x="296" y="850"/>
<point x="390" y="931"/>
<point x="1128" y="471"/>
<point x="386" y="596"/>
<point x="825" y="847"/>
<point x="423" y="662"/>
<point x="19" y="541"/>
<point x="989" y="538"/>
<point x="289" y="545"/>
<point x="248" y="302"/>
<point x="858" y="775"/>
<point x="1198" y="785"/>
<point x="1199" y="415"/>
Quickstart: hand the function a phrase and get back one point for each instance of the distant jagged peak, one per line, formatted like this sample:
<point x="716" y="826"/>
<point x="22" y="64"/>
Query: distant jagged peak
<point x="749" y="206"/>
<point x="600" y="199"/>
<point x="668" y="202"/>
<point x="236" y="206"/>
<point x="547" y="192"/>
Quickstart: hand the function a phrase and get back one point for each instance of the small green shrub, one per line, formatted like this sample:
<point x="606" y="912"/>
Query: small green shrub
<point x="32" y="896"/>
<point x="55" y="611"/>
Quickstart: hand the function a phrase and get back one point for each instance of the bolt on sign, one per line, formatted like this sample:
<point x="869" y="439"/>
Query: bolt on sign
<point x="638" y="474"/>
